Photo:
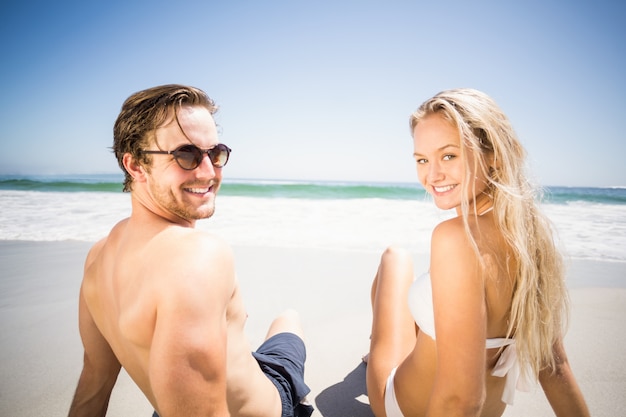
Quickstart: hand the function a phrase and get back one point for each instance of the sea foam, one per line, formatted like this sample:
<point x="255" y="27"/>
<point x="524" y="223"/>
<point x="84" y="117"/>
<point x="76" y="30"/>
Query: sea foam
<point x="584" y="230"/>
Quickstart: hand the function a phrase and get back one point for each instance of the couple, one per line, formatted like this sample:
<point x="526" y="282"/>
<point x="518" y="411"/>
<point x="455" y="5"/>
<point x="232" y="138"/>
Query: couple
<point x="161" y="298"/>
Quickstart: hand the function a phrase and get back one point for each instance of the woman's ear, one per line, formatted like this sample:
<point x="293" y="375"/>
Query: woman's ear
<point x="494" y="167"/>
<point x="134" y="168"/>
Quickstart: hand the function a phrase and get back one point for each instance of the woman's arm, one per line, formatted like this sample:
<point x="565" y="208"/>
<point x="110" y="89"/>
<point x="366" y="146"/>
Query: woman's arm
<point x="561" y="388"/>
<point x="460" y="323"/>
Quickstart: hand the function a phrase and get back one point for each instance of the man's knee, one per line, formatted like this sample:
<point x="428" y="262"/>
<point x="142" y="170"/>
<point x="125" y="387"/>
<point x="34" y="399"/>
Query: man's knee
<point x="287" y="321"/>
<point x="290" y="315"/>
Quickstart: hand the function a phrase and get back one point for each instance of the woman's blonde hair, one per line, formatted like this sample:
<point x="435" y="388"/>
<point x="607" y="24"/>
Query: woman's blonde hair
<point x="539" y="307"/>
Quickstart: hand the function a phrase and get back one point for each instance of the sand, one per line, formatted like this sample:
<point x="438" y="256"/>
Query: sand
<point x="41" y="353"/>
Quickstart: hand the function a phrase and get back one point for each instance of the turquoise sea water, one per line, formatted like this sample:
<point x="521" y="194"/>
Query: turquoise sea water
<point x="298" y="189"/>
<point x="590" y="223"/>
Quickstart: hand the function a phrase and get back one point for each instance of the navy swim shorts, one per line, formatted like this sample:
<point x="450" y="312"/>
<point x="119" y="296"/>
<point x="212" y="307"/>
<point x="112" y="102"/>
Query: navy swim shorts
<point x="281" y="358"/>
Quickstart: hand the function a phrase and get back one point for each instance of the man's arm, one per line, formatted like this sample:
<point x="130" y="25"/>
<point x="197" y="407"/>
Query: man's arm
<point x="100" y="369"/>
<point x="188" y="353"/>
<point x="561" y="388"/>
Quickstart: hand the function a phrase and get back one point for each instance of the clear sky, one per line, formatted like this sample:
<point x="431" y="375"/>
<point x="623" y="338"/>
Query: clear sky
<point x="316" y="90"/>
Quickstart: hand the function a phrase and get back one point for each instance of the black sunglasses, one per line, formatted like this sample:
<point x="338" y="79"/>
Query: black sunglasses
<point x="189" y="157"/>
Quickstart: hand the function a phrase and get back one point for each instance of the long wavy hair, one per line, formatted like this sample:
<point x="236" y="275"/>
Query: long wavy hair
<point x="540" y="305"/>
<point x="144" y="112"/>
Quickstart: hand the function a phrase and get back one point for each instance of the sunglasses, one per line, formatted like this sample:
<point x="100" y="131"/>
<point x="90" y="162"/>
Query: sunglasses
<point x="189" y="157"/>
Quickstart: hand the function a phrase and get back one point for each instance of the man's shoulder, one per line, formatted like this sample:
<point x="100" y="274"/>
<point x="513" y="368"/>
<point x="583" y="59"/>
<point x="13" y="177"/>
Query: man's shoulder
<point x="190" y="239"/>
<point x="97" y="248"/>
<point x="190" y="250"/>
<point x="94" y="252"/>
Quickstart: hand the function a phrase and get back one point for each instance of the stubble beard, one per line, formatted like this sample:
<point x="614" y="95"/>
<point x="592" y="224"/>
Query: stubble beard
<point x="190" y="212"/>
<point x="176" y="204"/>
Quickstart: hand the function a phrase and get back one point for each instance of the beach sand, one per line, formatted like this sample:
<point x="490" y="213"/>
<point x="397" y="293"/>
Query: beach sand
<point x="41" y="353"/>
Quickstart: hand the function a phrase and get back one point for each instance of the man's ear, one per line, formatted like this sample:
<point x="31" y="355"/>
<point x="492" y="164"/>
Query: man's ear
<point x="134" y="168"/>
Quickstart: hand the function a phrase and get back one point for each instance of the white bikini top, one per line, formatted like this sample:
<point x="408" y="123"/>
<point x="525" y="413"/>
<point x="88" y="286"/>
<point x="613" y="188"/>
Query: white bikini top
<point x="421" y="306"/>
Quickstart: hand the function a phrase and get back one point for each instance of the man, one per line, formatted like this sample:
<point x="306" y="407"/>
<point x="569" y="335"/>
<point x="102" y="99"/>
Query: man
<point x="161" y="298"/>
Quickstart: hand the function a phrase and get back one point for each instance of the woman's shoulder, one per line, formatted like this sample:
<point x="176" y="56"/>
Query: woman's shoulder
<point x="455" y="233"/>
<point x="450" y="232"/>
<point x="450" y="241"/>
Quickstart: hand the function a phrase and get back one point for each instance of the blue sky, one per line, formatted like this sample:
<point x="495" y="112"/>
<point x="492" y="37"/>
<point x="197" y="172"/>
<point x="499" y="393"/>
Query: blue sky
<point x="316" y="90"/>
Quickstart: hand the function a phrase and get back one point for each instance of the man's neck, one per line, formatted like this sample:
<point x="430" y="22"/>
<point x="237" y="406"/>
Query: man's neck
<point x="147" y="211"/>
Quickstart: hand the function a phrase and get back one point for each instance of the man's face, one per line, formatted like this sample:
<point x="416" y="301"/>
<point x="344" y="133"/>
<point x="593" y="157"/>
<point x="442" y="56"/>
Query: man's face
<point x="185" y="194"/>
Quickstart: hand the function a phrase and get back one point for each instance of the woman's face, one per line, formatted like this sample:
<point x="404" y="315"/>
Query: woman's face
<point x="440" y="167"/>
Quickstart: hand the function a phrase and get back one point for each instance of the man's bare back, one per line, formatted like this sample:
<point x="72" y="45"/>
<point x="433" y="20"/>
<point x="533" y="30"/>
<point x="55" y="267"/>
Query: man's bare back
<point x="161" y="298"/>
<point x="123" y="296"/>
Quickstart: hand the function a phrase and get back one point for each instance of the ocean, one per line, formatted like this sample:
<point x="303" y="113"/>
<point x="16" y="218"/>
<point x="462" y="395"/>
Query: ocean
<point x="590" y="223"/>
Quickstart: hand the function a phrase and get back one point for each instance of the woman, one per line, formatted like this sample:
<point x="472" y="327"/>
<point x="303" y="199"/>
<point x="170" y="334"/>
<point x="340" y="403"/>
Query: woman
<point x="491" y="311"/>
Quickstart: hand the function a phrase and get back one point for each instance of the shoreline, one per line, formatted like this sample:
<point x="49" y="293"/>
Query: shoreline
<point x="42" y="354"/>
